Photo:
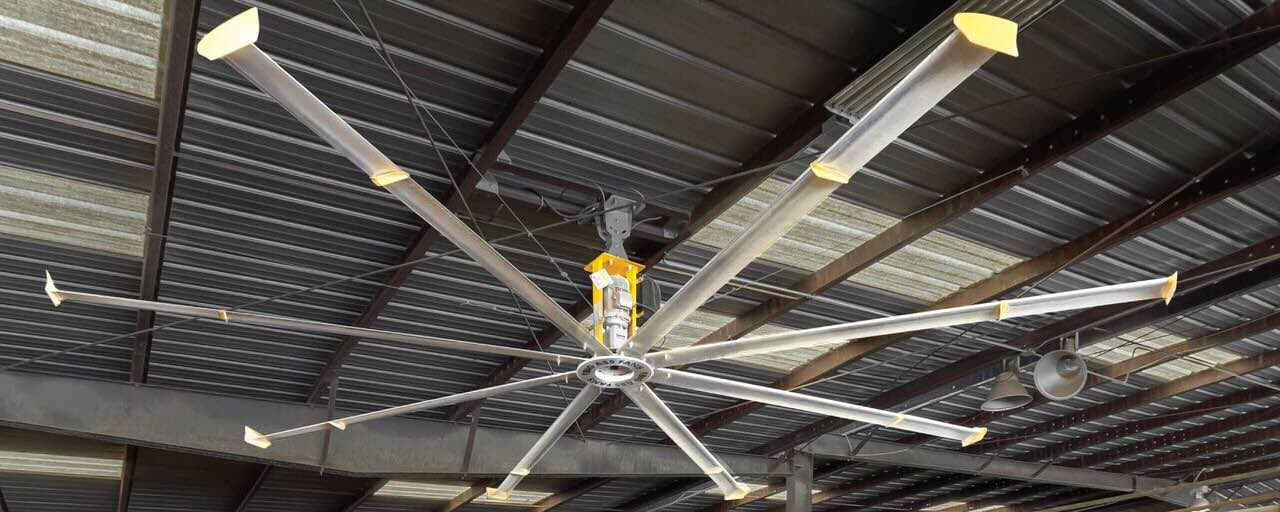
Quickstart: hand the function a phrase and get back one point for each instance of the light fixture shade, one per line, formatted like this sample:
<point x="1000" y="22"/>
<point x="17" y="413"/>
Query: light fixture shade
<point x="1061" y="374"/>
<point x="1007" y="393"/>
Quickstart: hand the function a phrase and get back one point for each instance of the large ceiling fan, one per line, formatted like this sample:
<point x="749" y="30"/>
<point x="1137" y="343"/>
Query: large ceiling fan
<point x="619" y="351"/>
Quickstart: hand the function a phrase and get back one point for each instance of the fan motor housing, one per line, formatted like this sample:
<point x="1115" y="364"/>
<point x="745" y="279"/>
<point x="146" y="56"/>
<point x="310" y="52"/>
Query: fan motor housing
<point x="614" y="371"/>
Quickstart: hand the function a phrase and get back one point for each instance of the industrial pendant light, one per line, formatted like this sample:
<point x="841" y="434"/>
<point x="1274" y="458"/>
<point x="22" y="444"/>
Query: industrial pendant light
<point x="1007" y="392"/>
<point x="1062" y="374"/>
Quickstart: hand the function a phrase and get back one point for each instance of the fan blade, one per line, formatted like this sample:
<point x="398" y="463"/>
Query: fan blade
<point x="233" y="41"/>
<point x="1162" y="288"/>
<point x="977" y="38"/>
<point x="264" y="440"/>
<point x="815" y="405"/>
<point x="558" y="427"/>
<point x="59" y="296"/>
<point x="644" y="397"/>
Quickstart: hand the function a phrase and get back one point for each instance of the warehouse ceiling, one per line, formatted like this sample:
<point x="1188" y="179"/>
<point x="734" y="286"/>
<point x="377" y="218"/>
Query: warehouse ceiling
<point x="1119" y="146"/>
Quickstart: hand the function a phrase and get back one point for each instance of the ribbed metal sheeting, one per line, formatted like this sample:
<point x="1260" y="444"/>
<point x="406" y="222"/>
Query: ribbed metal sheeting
<point x="609" y="496"/>
<point x="50" y="493"/>
<point x="180" y="482"/>
<point x="1113" y="177"/>
<point x="288" y="490"/>
<point x="261" y="207"/>
<point x="859" y="96"/>
<point x="49" y="480"/>
<point x="31" y="327"/>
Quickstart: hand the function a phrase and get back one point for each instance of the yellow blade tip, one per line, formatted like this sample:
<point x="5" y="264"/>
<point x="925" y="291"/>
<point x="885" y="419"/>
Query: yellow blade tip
<point x="738" y="493"/>
<point x="340" y="425"/>
<point x="990" y="32"/>
<point x="497" y="494"/>
<point x="255" y="438"/>
<point x="51" y="290"/>
<point x="977" y="435"/>
<point x="1170" y="286"/>
<point x="235" y="33"/>
<point x="829" y="172"/>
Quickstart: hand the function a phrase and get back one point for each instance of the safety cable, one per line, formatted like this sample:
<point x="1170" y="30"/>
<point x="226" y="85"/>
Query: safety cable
<point x="383" y="54"/>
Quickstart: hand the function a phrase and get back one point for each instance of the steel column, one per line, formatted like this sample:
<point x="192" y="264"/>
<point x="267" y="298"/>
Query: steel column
<point x="800" y="483"/>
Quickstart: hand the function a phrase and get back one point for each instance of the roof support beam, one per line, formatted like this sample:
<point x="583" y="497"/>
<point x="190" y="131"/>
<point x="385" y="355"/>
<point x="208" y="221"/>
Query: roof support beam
<point x="567" y="495"/>
<point x="573" y="31"/>
<point x="253" y="489"/>
<point x="1164" y="84"/>
<point x="467" y="496"/>
<point x="1109" y="321"/>
<point x="1156" y="393"/>
<point x="777" y="486"/>
<point x="896" y="454"/>
<point x="668" y="496"/>
<point x="180" y="19"/>
<point x="512" y="365"/>
<point x="1214" y="467"/>
<point x="374" y="487"/>
<point x="790" y="140"/>
<point x="213" y="425"/>
<point x="1251" y="458"/>
<point x="1097" y="438"/>
<point x="1146" y="360"/>
<point x="127" y="469"/>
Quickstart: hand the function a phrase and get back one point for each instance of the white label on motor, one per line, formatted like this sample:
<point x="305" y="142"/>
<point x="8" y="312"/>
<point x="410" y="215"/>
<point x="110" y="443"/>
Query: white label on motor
<point x="601" y="279"/>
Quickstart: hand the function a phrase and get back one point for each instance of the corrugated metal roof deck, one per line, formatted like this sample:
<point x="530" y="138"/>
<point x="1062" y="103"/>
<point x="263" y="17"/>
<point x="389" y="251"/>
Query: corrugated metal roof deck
<point x="648" y="105"/>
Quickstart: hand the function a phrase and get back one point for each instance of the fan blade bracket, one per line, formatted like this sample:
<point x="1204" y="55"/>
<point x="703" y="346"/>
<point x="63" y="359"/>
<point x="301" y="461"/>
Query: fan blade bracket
<point x="51" y="290"/>
<point x="388" y="177"/>
<point x="1169" y="288"/>
<point x="740" y="492"/>
<point x="830" y="172"/>
<point x="231" y="35"/>
<point x="497" y="494"/>
<point x="990" y="32"/>
<point x="256" y="438"/>
<point x="980" y="433"/>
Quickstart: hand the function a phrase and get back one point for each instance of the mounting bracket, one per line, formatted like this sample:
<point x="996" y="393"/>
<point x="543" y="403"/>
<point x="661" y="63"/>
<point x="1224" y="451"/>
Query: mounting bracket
<point x="615" y="225"/>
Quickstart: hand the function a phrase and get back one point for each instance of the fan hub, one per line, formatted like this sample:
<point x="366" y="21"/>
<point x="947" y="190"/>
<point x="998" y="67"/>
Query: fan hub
<point x="614" y="371"/>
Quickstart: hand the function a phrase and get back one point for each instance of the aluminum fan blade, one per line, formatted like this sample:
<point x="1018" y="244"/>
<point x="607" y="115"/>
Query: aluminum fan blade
<point x="976" y="39"/>
<point x="1162" y="288"/>
<point x="252" y="436"/>
<point x="60" y="296"/>
<point x="233" y="41"/>
<point x="557" y="429"/>
<point x="815" y="405"/>
<point x="644" y="397"/>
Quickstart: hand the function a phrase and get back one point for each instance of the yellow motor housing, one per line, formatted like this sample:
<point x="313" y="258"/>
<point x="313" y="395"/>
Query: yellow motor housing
<point x="614" y="266"/>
